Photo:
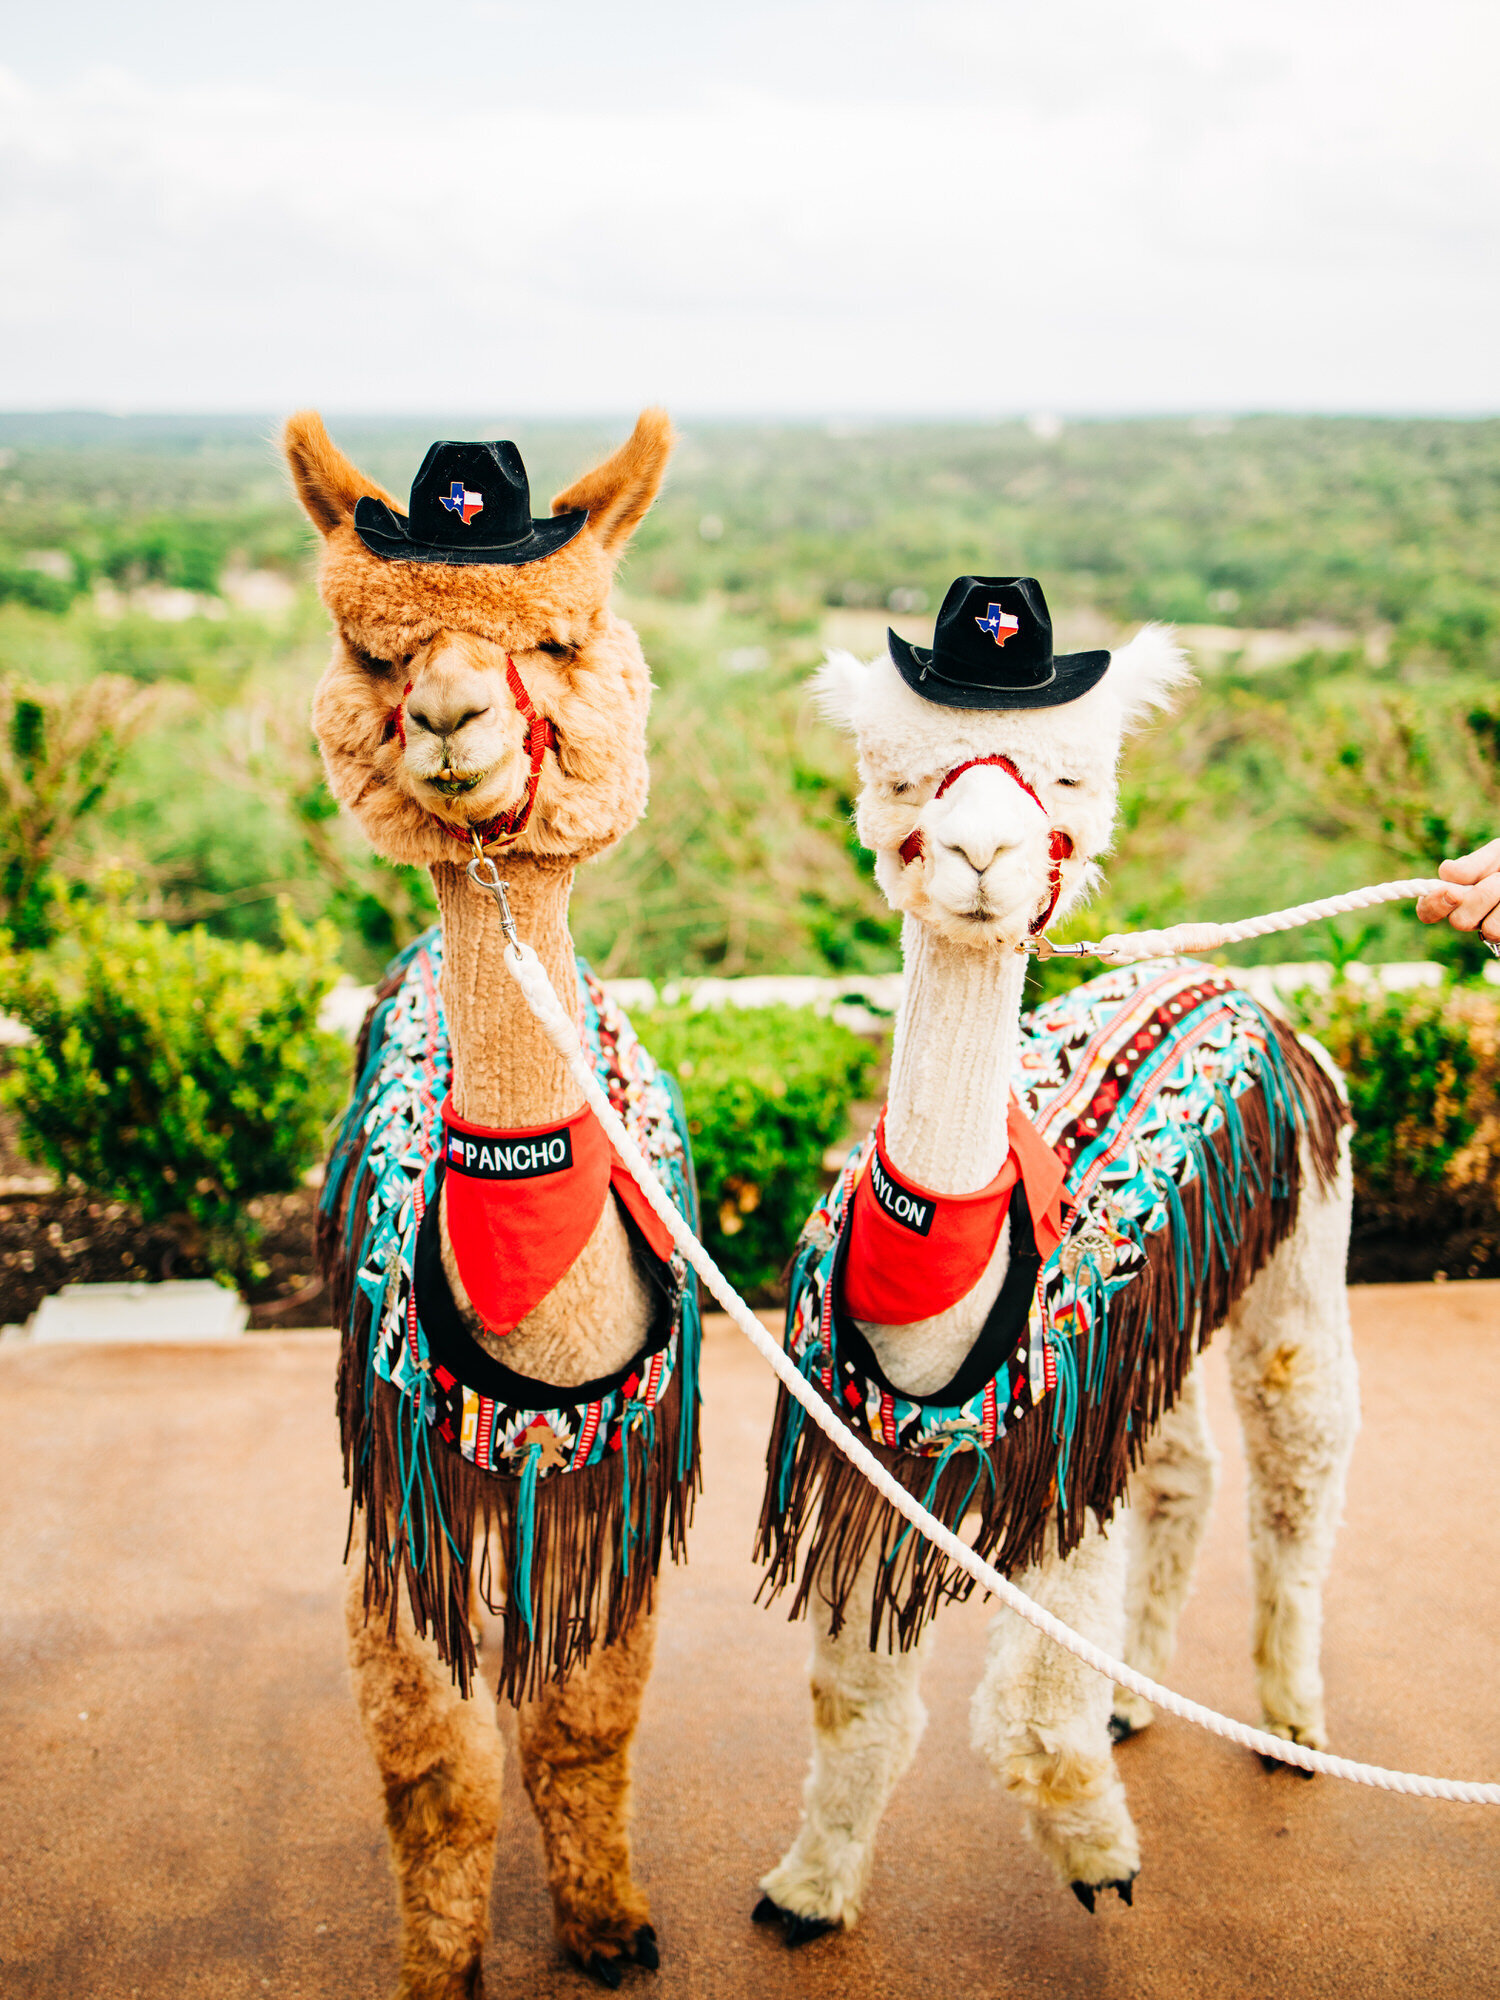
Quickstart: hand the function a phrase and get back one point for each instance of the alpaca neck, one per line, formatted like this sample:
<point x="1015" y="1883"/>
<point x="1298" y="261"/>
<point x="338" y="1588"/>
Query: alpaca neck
<point x="506" y="1074"/>
<point x="946" y="1123"/>
<point x="955" y="1048"/>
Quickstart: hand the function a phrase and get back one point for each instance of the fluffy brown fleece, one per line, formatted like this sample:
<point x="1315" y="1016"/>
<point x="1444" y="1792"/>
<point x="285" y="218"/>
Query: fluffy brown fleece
<point x="396" y="622"/>
<point x="575" y="1758"/>
<point x="441" y="1762"/>
<point x="414" y="706"/>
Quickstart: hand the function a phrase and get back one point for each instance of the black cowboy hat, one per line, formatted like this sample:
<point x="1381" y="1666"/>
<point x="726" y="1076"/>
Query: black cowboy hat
<point x="993" y="649"/>
<point x="470" y="503"/>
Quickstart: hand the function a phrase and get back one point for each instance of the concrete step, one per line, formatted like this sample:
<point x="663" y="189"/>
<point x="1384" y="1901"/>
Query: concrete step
<point x="181" y="1310"/>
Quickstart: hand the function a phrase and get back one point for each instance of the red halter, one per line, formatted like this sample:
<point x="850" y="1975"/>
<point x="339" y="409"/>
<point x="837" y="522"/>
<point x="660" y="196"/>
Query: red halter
<point x="540" y="737"/>
<point x="1059" y="844"/>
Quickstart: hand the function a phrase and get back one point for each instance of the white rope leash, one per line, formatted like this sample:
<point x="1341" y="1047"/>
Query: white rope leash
<point x="531" y="976"/>
<point x="1122" y="946"/>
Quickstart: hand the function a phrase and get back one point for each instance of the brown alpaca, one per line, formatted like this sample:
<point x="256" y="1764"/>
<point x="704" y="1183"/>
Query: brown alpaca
<point x="422" y="738"/>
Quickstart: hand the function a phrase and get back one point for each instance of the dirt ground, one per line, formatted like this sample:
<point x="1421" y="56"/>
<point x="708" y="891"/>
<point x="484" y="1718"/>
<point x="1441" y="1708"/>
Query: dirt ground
<point x="187" y="1808"/>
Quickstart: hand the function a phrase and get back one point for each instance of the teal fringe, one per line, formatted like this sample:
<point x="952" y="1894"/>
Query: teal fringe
<point x="690" y="1336"/>
<point x="983" y="1468"/>
<point x="635" y="1417"/>
<point x="526" y="1534"/>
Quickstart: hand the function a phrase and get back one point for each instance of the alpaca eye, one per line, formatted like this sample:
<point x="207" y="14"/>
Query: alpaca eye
<point x="899" y="789"/>
<point x="556" y="649"/>
<point x="368" y="660"/>
<point x="1069" y="781"/>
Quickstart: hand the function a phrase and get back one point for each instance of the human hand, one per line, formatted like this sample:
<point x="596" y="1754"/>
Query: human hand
<point x="1473" y="904"/>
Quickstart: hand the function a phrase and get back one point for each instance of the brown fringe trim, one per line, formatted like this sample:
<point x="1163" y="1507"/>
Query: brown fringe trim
<point x="582" y="1595"/>
<point x="832" y="1517"/>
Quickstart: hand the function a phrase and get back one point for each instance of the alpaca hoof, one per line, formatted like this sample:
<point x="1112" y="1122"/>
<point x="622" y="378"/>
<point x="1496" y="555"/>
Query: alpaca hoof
<point x="1280" y="1764"/>
<point x="1130" y="1713"/>
<point x="802" y="1930"/>
<point x="606" y="1970"/>
<point x="647" y="1952"/>
<point x="795" y="1930"/>
<point x="1124" y="1888"/>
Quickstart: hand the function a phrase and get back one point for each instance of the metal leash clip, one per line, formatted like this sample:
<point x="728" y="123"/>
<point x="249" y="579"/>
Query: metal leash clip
<point x="1043" y="948"/>
<point x="492" y="884"/>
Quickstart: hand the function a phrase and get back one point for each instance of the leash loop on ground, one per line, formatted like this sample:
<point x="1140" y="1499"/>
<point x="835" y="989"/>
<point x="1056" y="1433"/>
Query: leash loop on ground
<point x="537" y="989"/>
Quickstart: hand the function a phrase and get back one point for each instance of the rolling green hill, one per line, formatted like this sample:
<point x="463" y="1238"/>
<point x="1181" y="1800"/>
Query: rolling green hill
<point x="1339" y="580"/>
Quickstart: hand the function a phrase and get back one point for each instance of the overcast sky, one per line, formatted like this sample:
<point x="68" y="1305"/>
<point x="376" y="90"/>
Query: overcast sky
<point x="788" y="207"/>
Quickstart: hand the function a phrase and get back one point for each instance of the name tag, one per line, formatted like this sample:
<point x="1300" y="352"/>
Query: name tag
<point x="912" y="1211"/>
<point x="510" y="1159"/>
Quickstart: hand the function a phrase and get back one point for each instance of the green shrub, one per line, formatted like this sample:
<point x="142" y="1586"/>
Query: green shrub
<point x="183" y="551"/>
<point x="180" y="1072"/>
<point x="1423" y="1072"/>
<point x="43" y="592"/>
<point x="767" y="1090"/>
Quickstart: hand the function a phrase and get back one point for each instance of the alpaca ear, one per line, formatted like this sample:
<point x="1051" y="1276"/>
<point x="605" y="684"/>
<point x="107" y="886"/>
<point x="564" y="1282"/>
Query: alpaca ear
<point x="836" y="688"/>
<point x="1148" y="674"/>
<point x="327" y="483"/>
<point x="617" y="493"/>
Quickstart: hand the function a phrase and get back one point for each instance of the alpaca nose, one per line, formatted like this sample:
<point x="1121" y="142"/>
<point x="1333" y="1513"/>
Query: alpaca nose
<point x="446" y="716"/>
<point x="982" y="851"/>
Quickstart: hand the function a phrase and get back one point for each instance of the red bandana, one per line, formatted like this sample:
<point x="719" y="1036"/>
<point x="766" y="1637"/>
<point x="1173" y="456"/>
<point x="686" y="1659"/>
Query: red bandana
<point x="913" y="1253"/>
<point x="520" y="1206"/>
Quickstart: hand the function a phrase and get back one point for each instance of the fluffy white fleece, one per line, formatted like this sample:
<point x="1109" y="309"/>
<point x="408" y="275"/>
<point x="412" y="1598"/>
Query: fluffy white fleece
<point x="1040" y="1718"/>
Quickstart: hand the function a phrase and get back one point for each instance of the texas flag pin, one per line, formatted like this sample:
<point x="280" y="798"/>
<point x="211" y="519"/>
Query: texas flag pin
<point x="999" y="624"/>
<point x="459" y="500"/>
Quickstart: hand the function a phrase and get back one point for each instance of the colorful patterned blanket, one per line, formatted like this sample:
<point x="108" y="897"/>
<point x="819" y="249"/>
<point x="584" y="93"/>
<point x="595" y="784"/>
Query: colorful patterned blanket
<point x="1176" y="1104"/>
<point x="448" y="1451"/>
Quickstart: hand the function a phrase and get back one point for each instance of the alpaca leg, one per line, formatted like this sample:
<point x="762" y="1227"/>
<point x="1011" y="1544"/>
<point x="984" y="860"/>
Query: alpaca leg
<point x="1171" y="1497"/>
<point x="1040" y="1718"/>
<point x="1297" y="1388"/>
<point x="440" y="1760"/>
<point x="868" y="1719"/>
<point x="575" y="1742"/>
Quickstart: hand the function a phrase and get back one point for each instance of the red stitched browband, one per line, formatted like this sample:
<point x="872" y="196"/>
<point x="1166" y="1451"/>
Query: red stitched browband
<point x="1005" y="765"/>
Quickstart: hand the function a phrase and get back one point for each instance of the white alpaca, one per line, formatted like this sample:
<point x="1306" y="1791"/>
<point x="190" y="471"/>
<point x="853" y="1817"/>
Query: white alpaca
<point x="969" y="889"/>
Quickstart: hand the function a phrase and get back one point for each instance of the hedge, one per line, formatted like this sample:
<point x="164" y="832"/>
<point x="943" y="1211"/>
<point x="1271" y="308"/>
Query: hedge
<point x="186" y="1075"/>
<point x="767" y="1091"/>
<point x="1423" y="1072"/>
<point x="182" y="1073"/>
